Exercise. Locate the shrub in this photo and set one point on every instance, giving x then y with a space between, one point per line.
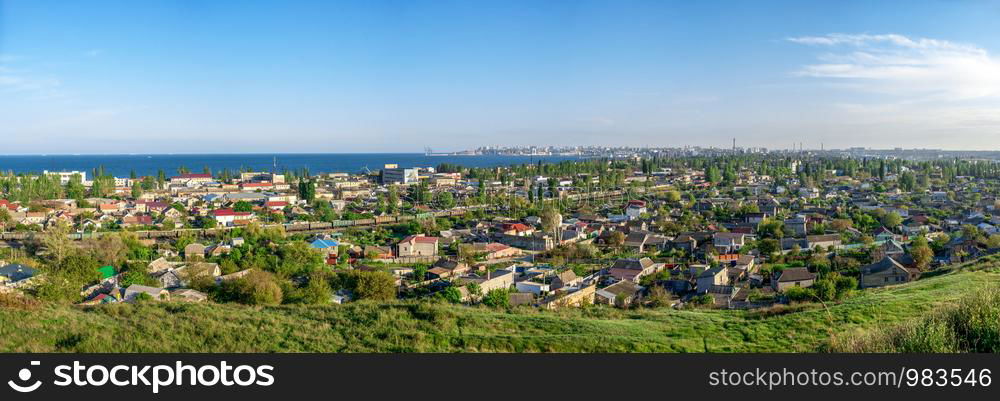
799 294
497 298
256 288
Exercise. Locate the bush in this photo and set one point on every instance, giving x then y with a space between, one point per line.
451 294
256 288
800 294
497 298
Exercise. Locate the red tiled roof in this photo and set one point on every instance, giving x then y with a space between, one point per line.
229 212
276 203
421 239
194 176
495 247
516 227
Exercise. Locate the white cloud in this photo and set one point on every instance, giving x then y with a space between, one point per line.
914 69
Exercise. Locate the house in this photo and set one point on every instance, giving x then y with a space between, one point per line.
797 226
134 291
131 221
637 240
886 272
15 273
499 279
229 217
191 178
188 295
635 209
327 246
564 279
532 287
883 234
377 252
417 245
194 250
729 242
276 206
823 241
621 294
521 298
579 297
712 277
633 269
161 264
792 277
450 267
518 229
495 250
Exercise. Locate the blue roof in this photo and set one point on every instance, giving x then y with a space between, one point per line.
324 243
17 272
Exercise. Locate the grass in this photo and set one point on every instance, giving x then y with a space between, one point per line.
435 327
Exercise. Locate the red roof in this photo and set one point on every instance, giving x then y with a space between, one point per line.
496 247
257 184
229 212
7 204
194 176
276 204
421 239
519 227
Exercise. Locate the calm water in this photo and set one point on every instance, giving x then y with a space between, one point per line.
122 165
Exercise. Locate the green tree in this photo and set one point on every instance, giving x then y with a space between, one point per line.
377 285
451 294
243 206
497 298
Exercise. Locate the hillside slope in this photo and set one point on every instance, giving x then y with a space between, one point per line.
435 327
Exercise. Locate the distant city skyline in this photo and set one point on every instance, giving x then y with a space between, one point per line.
157 77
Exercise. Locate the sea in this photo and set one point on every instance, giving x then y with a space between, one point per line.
122 165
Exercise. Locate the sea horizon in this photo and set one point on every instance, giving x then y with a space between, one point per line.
148 164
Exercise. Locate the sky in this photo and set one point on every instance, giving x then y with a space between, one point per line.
398 76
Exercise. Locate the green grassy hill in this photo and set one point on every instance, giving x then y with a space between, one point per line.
435 327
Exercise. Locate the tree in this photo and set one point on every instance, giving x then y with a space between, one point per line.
771 228
825 290
255 288
891 220
971 232
307 190
109 249
921 253
378 286
451 294
616 239
993 241
551 219
298 258
57 243
317 291
841 225
5 219
242 206
445 200
768 246
136 190
497 298
467 253
419 273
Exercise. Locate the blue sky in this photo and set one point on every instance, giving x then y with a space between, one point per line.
385 76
